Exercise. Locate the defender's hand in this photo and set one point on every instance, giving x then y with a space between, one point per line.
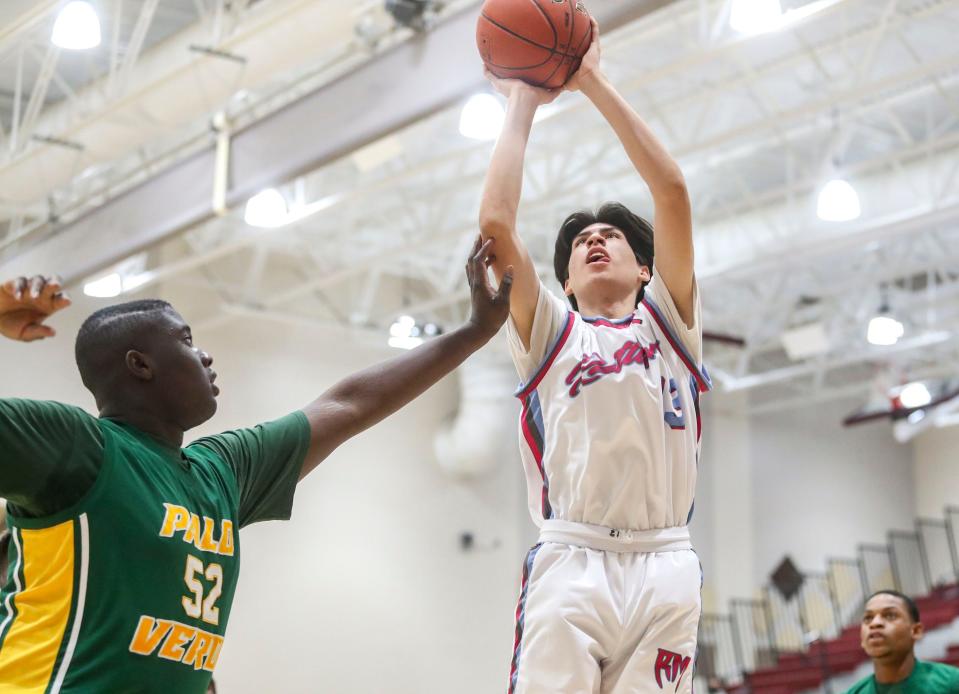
490 306
510 87
589 67
26 303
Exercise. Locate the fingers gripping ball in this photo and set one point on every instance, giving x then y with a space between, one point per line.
539 41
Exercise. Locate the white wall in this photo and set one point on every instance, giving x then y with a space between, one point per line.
936 471
819 489
366 590
724 501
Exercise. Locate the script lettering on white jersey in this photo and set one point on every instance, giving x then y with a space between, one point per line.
593 366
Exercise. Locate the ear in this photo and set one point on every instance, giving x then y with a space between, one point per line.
568 290
918 630
645 274
140 365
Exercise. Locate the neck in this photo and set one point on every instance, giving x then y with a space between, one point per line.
609 308
164 431
894 668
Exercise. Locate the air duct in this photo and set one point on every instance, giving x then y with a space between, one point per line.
482 431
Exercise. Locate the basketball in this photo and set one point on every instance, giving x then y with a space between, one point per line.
538 41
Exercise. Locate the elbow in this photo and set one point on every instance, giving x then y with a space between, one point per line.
673 187
495 224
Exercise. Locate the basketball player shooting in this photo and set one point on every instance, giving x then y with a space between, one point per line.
609 430
125 552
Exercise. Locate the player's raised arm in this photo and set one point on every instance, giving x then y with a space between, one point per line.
501 195
365 398
673 238
25 303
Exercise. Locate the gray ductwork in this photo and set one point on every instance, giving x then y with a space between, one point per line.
483 430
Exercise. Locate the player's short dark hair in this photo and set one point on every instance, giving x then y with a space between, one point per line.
911 606
638 232
110 329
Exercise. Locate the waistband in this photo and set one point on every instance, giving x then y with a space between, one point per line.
613 539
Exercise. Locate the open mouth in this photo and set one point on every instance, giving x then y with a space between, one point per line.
597 256
213 386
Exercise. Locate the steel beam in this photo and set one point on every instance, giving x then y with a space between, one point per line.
400 86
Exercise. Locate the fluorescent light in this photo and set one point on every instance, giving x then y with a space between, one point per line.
105 287
77 27
267 209
405 342
755 16
838 202
404 333
884 331
916 417
402 327
915 395
482 117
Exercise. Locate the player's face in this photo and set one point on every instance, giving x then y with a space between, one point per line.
602 265
887 629
184 373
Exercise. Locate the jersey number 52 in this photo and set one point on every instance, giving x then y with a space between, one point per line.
195 605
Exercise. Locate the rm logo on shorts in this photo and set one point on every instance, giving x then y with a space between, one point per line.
672 666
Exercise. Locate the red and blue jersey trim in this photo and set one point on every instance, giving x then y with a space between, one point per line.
551 354
534 433
531 417
620 324
521 618
699 373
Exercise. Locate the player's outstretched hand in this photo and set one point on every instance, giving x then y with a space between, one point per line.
589 66
507 87
25 303
490 306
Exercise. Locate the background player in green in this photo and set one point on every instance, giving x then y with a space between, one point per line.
889 632
124 553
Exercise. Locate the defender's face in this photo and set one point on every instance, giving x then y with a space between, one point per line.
887 629
602 263
184 372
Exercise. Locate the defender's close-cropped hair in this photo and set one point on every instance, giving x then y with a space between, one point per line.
638 232
109 330
911 606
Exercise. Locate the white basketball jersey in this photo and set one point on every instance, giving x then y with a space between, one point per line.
610 426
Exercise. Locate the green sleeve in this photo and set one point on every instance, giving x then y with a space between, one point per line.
50 454
266 461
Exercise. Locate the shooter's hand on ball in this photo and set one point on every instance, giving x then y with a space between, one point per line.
589 67
513 88
25 303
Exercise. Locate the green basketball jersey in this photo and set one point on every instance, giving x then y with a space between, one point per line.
129 589
926 678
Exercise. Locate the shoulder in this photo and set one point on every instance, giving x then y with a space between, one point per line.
941 670
43 408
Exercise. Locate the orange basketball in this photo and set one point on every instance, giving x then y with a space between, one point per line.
539 41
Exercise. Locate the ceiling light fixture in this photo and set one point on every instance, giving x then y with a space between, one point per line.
77 27
884 330
104 288
404 334
838 202
482 117
266 210
915 395
755 16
